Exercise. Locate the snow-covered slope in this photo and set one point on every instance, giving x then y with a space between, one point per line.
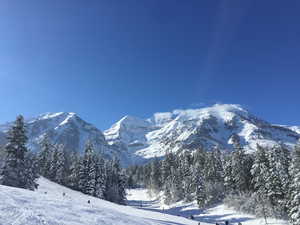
139 198
62 128
194 128
48 206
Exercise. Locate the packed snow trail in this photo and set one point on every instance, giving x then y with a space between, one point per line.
217 214
49 206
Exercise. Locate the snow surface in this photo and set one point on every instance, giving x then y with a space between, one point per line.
139 198
48 206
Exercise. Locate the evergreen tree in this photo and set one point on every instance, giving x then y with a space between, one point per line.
115 183
74 171
44 157
100 177
240 170
155 183
260 172
87 173
276 176
60 165
31 171
15 171
294 206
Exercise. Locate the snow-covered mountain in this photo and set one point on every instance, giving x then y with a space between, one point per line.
61 128
136 140
208 127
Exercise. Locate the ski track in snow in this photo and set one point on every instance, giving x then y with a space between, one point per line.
48 206
218 214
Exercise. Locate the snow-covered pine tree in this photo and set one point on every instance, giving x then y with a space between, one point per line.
240 170
198 184
294 206
260 172
155 182
14 172
276 176
100 177
73 176
185 172
87 173
44 157
60 165
228 178
31 171
115 183
175 179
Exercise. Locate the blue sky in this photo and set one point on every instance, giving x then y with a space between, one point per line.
105 59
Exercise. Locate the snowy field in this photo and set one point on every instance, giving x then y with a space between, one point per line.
48 206
217 214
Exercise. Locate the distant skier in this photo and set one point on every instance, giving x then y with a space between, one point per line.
89 202
226 222
64 194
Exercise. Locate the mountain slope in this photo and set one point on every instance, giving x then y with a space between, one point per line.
48 206
62 128
219 125
136 140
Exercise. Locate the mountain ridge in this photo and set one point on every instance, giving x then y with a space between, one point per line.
136 140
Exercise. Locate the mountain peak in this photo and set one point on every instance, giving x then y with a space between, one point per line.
50 115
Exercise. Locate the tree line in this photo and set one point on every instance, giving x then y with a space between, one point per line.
89 173
266 183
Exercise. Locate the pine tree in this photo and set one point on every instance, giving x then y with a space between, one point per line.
260 172
276 176
31 171
155 184
44 157
115 184
74 171
60 165
87 173
15 171
294 206
185 174
240 170
228 177
100 177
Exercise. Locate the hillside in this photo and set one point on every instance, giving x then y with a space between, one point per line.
48 206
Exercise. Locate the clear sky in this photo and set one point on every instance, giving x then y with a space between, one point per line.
104 59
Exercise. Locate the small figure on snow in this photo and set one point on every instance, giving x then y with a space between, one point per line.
89 202
64 194
192 217
226 222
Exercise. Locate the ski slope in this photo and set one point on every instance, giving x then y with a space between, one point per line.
217 214
48 206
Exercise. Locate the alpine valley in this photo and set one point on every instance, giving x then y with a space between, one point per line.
135 141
